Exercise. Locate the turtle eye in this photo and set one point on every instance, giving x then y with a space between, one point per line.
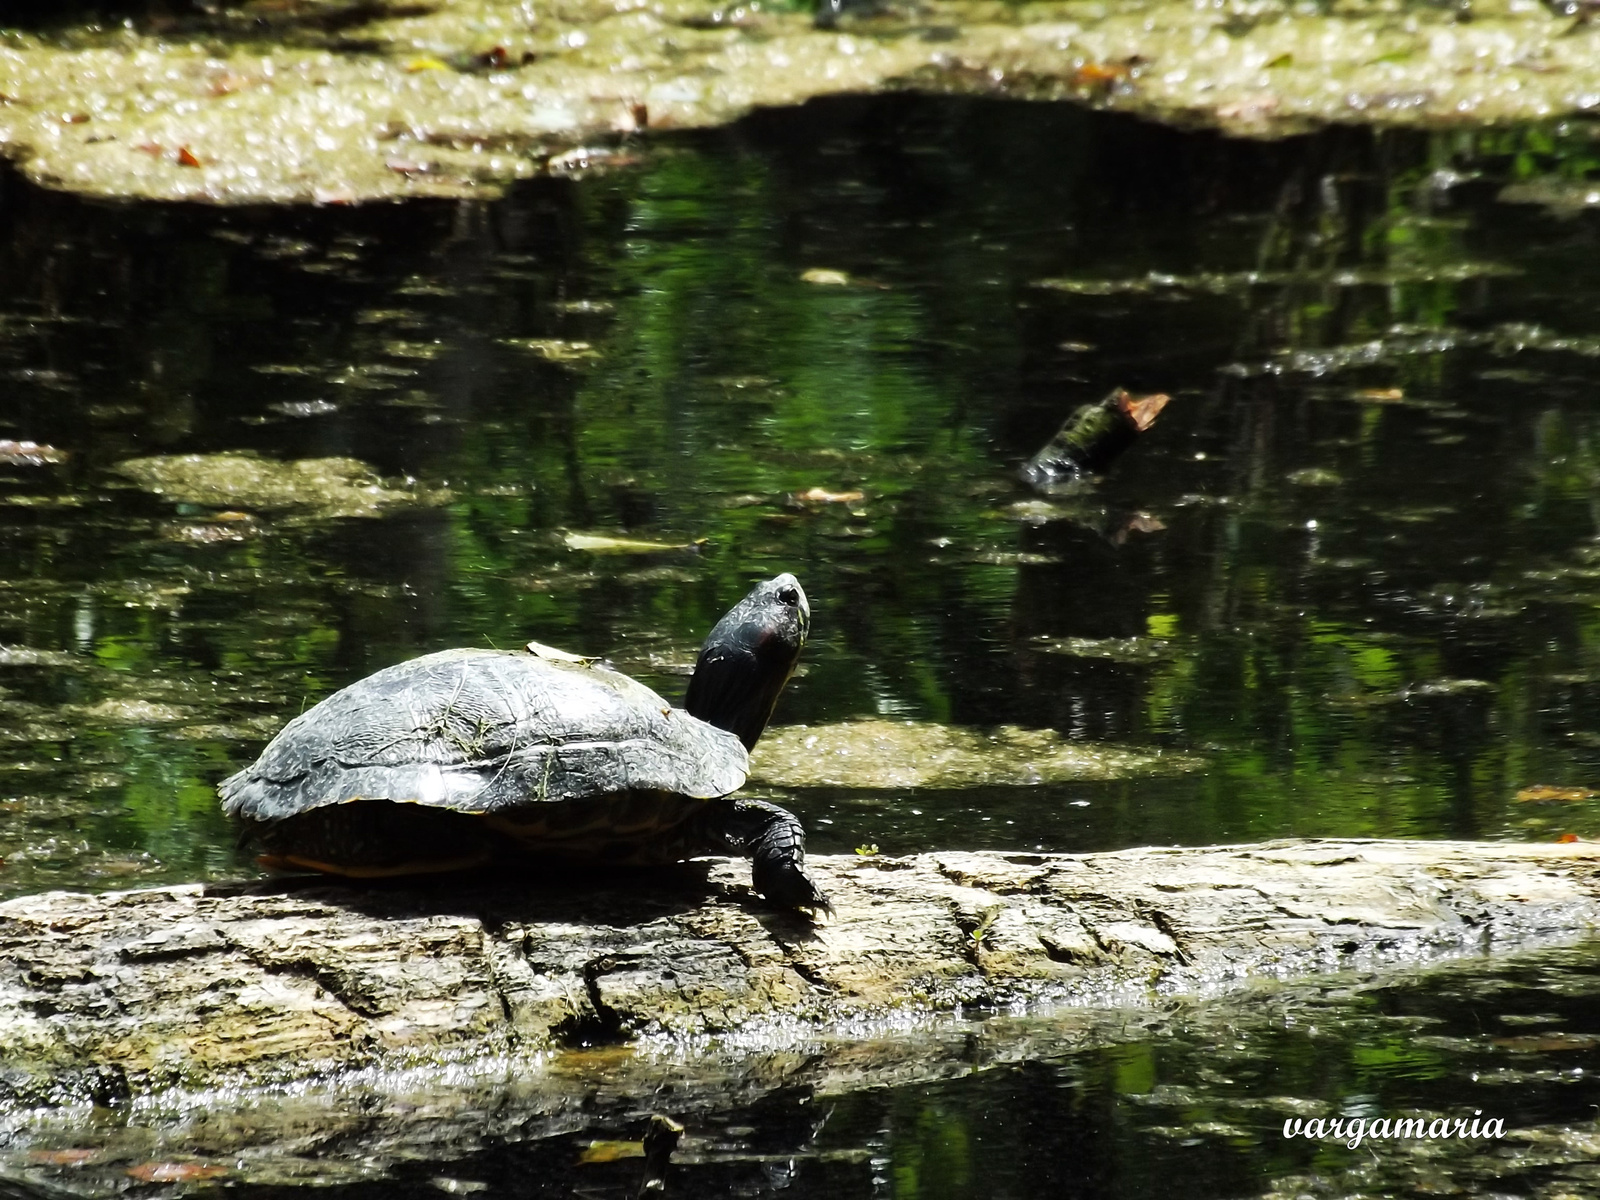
789 595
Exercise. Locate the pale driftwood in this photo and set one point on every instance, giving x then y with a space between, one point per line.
198 986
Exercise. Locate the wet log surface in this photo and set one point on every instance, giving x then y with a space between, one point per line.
105 996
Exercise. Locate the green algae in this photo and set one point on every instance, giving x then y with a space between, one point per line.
878 754
1129 650
460 98
329 487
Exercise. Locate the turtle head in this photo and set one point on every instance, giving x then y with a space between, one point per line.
748 658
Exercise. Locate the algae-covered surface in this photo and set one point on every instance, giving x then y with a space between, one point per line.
328 487
878 754
338 103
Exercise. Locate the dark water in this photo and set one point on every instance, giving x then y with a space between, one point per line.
1362 544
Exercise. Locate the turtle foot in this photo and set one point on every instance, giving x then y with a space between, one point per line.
776 843
788 884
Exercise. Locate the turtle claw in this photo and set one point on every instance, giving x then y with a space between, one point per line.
788 884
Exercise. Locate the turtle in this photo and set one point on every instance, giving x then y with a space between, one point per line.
450 760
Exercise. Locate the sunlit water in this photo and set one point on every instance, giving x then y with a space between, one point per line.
1358 556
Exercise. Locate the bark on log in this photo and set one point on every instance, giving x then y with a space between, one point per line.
200 986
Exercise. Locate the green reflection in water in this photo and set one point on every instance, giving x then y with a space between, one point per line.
1363 531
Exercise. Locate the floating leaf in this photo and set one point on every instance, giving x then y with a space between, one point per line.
1100 75
175 1172
61 1158
1142 410
818 495
607 1152
553 349
600 543
28 454
1540 793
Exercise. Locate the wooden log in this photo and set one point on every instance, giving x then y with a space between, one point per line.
119 994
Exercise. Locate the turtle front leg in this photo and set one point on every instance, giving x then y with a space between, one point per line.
775 842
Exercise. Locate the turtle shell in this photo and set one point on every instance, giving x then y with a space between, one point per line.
485 731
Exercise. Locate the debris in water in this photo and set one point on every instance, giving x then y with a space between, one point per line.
458 1187
553 349
1123 650
1315 477
660 1140
28 454
1093 437
610 1151
304 408
1541 793
63 1158
175 1172
603 543
818 495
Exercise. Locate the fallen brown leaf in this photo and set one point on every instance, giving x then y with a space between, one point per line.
1541 792
1100 75
28 454
174 1172
1142 410
818 495
605 1152
62 1158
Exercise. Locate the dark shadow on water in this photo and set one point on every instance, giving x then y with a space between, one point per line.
275 22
